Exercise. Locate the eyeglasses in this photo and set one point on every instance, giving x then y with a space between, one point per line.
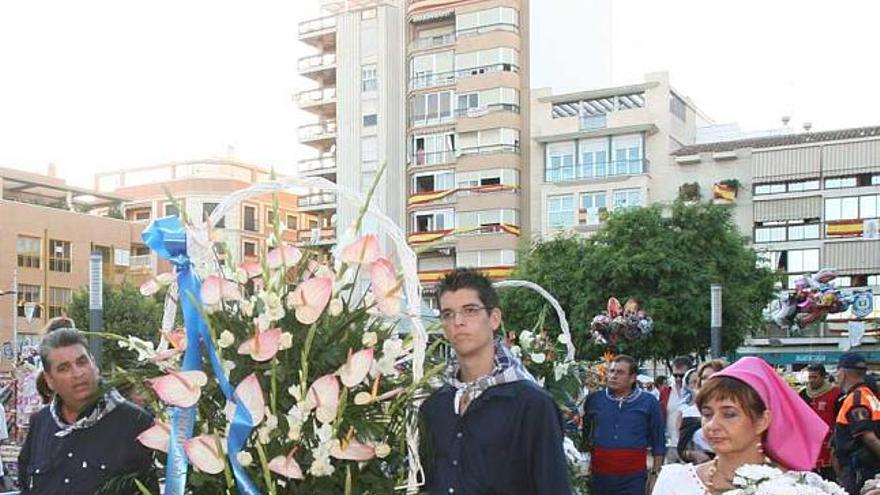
678 375
468 312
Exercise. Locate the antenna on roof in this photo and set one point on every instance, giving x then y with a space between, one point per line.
785 120
808 126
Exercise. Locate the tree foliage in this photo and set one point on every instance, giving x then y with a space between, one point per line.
667 260
126 312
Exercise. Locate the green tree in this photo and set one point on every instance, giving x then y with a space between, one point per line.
666 260
126 312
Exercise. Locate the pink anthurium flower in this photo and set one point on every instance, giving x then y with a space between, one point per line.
364 250
283 256
323 396
310 298
205 454
179 388
177 338
216 289
356 367
286 466
352 450
251 268
251 395
156 437
153 285
386 288
263 345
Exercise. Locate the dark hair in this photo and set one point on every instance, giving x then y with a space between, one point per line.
623 358
62 337
43 388
59 322
660 380
818 368
469 278
715 364
725 387
683 362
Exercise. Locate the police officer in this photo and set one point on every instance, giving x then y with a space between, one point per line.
857 446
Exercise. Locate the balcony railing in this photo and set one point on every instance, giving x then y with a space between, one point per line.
316 236
140 262
486 109
596 170
321 130
315 25
500 26
486 69
490 148
591 122
317 165
316 97
433 41
421 157
317 200
431 80
316 62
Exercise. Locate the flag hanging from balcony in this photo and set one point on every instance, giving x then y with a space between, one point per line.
845 228
724 192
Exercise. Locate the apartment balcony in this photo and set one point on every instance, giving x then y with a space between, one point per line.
602 170
486 110
141 263
317 202
314 167
424 81
320 67
489 149
316 237
318 32
322 134
423 158
486 69
433 198
433 42
430 277
321 101
432 240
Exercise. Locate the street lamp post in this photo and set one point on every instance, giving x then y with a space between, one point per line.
715 291
14 293
96 304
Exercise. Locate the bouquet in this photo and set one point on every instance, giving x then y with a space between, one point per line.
768 480
309 379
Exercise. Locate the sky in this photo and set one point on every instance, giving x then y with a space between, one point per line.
100 85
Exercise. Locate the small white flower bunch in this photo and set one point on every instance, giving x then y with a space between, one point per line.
756 479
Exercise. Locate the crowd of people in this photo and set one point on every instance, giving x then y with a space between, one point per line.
492 428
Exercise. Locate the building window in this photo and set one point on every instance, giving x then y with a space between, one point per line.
369 38
497 18
207 209
591 204
142 215
270 218
59 256
292 222
171 210
29 294
369 153
369 78
250 248
852 207
873 280
59 299
429 221
678 107
29 252
433 149
627 198
432 69
370 120
840 182
249 222
485 61
432 108
627 155
486 258
560 211
435 181
875 180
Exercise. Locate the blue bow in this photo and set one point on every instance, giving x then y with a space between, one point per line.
167 237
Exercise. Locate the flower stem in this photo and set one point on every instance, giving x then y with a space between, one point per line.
267 476
273 392
304 372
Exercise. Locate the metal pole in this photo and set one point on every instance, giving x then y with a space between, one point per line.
715 291
15 314
96 304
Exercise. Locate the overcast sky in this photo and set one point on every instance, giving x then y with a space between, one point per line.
97 85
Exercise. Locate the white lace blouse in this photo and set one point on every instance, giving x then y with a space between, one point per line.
679 479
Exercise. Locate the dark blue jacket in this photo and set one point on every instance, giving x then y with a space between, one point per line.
78 463
509 441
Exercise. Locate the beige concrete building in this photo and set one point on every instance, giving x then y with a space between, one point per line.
600 150
808 200
358 107
48 229
467 134
197 187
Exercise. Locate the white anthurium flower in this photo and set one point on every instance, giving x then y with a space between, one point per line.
393 348
363 398
263 321
247 308
286 341
563 339
516 351
324 433
538 357
321 467
226 339
144 348
386 366
228 366
335 307
560 370
369 339
295 392
275 314
526 338
244 458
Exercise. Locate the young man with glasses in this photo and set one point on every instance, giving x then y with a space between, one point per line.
490 428
670 400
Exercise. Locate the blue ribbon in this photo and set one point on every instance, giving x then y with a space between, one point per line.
167 237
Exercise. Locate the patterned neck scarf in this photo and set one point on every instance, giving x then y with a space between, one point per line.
508 369
102 407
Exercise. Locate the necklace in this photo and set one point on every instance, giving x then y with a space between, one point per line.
712 471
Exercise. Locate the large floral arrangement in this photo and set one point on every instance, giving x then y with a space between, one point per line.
768 480
308 384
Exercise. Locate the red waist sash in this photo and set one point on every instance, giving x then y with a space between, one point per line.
618 461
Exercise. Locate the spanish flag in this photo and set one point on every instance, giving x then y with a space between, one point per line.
426 237
420 198
724 192
497 272
845 228
510 229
